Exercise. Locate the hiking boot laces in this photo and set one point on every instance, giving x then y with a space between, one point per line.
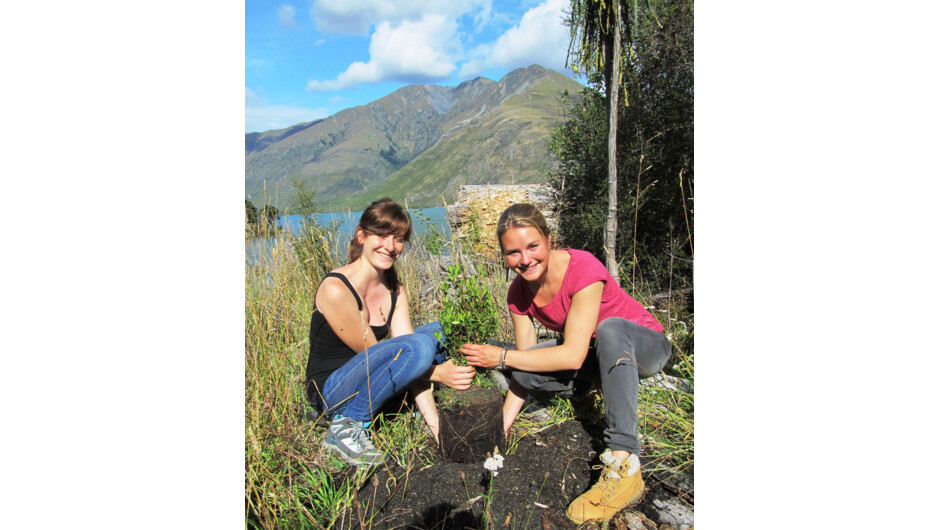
606 481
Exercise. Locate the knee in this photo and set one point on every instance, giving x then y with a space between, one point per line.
614 341
412 358
430 329
424 348
611 327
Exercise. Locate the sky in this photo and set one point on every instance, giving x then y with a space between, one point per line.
309 60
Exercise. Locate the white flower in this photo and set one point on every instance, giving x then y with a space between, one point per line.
493 463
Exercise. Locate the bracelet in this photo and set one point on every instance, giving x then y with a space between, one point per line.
502 359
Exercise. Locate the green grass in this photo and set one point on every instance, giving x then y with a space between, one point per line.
291 481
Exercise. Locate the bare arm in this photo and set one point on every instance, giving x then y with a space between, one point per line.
579 327
424 398
526 336
338 306
401 319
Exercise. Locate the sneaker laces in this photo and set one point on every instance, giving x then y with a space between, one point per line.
353 429
362 438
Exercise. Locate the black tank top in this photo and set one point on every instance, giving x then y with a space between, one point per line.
327 351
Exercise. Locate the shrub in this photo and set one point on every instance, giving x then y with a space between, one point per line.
469 314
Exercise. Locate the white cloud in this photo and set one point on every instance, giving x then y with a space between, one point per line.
419 41
261 117
285 16
539 38
483 17
414 52
471 69
356 17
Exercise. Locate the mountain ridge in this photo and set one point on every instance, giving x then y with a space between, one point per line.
416 144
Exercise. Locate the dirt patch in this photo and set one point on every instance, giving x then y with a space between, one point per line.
532 490
473 426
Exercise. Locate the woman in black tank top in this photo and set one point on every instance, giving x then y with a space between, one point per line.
363 349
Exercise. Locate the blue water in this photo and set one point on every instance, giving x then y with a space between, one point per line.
345 224
347 221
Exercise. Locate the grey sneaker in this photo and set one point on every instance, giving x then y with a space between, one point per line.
350 439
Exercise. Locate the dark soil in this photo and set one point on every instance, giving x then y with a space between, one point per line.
532 490
472 427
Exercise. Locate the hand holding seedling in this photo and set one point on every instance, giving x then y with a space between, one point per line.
482 355
456 377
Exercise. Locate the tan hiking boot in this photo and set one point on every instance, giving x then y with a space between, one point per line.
615 490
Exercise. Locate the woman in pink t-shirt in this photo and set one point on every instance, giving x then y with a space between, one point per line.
607 336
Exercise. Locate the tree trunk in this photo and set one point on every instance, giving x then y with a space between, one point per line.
612 68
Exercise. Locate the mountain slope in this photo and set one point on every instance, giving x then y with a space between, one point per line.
416 144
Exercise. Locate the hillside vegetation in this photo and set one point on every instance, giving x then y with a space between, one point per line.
425 139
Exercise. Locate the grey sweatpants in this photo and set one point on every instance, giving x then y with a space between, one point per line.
621 353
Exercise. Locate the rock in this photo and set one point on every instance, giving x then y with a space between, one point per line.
487 202
666 508
502 383
668 382
680 484
634 521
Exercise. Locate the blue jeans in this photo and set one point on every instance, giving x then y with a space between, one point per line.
362 385
621 353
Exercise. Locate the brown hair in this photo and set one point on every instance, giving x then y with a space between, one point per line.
381 218
520 215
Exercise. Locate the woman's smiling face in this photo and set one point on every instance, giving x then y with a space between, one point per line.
526 251
381 251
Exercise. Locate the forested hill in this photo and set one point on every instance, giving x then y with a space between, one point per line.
416 144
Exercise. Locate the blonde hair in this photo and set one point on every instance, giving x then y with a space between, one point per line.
521 215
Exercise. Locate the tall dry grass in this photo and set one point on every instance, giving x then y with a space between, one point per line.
290 481
282 450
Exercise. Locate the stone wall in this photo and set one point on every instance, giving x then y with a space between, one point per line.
488 201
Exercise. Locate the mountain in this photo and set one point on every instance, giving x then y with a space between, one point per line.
416 144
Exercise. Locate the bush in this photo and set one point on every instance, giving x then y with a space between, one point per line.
469 314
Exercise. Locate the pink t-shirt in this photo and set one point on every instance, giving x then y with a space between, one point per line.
583 270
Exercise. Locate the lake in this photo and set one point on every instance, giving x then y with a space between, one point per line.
422 219
347 221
